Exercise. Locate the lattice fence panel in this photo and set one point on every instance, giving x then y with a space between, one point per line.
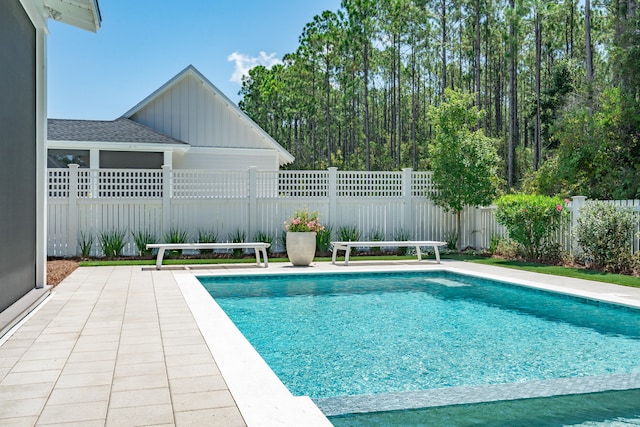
120 183
58 183
303 184
369 184
203 184
421 184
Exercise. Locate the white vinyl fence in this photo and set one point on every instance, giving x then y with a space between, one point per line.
93 201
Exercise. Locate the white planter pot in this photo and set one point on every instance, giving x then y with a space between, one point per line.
301 247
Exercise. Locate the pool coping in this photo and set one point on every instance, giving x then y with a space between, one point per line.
271 403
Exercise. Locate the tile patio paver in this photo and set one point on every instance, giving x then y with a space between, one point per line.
112 346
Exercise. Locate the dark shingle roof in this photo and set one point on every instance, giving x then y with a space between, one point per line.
119 130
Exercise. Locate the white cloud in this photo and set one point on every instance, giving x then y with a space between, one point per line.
245 62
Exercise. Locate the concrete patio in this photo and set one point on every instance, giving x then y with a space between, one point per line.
127 346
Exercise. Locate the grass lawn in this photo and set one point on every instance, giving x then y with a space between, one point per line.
251 260
578 273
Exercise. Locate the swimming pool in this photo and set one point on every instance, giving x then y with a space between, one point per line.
411 338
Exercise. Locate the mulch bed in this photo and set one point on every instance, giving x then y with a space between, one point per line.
58 269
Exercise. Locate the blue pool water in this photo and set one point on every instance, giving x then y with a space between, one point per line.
330 336
608 409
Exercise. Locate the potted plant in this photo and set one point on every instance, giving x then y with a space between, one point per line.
301 236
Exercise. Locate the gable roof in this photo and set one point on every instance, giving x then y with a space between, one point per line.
190 71
119 130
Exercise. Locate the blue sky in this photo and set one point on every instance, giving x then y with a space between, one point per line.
143 43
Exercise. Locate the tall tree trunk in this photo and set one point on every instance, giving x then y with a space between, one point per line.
537 136
497 100
414 113
589 54
488 75
572 25
513 95
399 105
477 57
365 67
444 45
313 122
328 108
392 106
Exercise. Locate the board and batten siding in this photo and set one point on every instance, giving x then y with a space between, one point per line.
191 112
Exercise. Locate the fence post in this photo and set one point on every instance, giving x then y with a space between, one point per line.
333 195
576 204
477 230
407 194
167 194
72 213
253 204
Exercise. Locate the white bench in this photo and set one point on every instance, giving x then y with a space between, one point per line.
346 246
256 246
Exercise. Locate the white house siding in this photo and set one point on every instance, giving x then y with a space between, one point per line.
226 159
191 112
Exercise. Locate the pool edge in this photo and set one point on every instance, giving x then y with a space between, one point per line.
270 403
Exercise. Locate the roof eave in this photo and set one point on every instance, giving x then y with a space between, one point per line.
83 14
117 146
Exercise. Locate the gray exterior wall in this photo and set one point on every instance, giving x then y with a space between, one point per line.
17 152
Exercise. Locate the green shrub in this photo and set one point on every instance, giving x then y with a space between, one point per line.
506 248
451 237
175 235
402 235
238 236
494 241
604 233
376 235
323 239
262 236
635 263
207 236
349 233
85 241
283 239
142 238
532 220
112 243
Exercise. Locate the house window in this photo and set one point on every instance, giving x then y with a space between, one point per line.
130 160
63 158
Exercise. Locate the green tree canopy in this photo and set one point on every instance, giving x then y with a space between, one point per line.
463 161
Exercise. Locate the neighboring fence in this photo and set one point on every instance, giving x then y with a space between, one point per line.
100 200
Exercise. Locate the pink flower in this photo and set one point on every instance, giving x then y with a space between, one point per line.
559 208
303 221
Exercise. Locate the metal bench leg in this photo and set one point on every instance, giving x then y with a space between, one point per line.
159 258
419 253
257 251
265 258
334 255
347 251
437 251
